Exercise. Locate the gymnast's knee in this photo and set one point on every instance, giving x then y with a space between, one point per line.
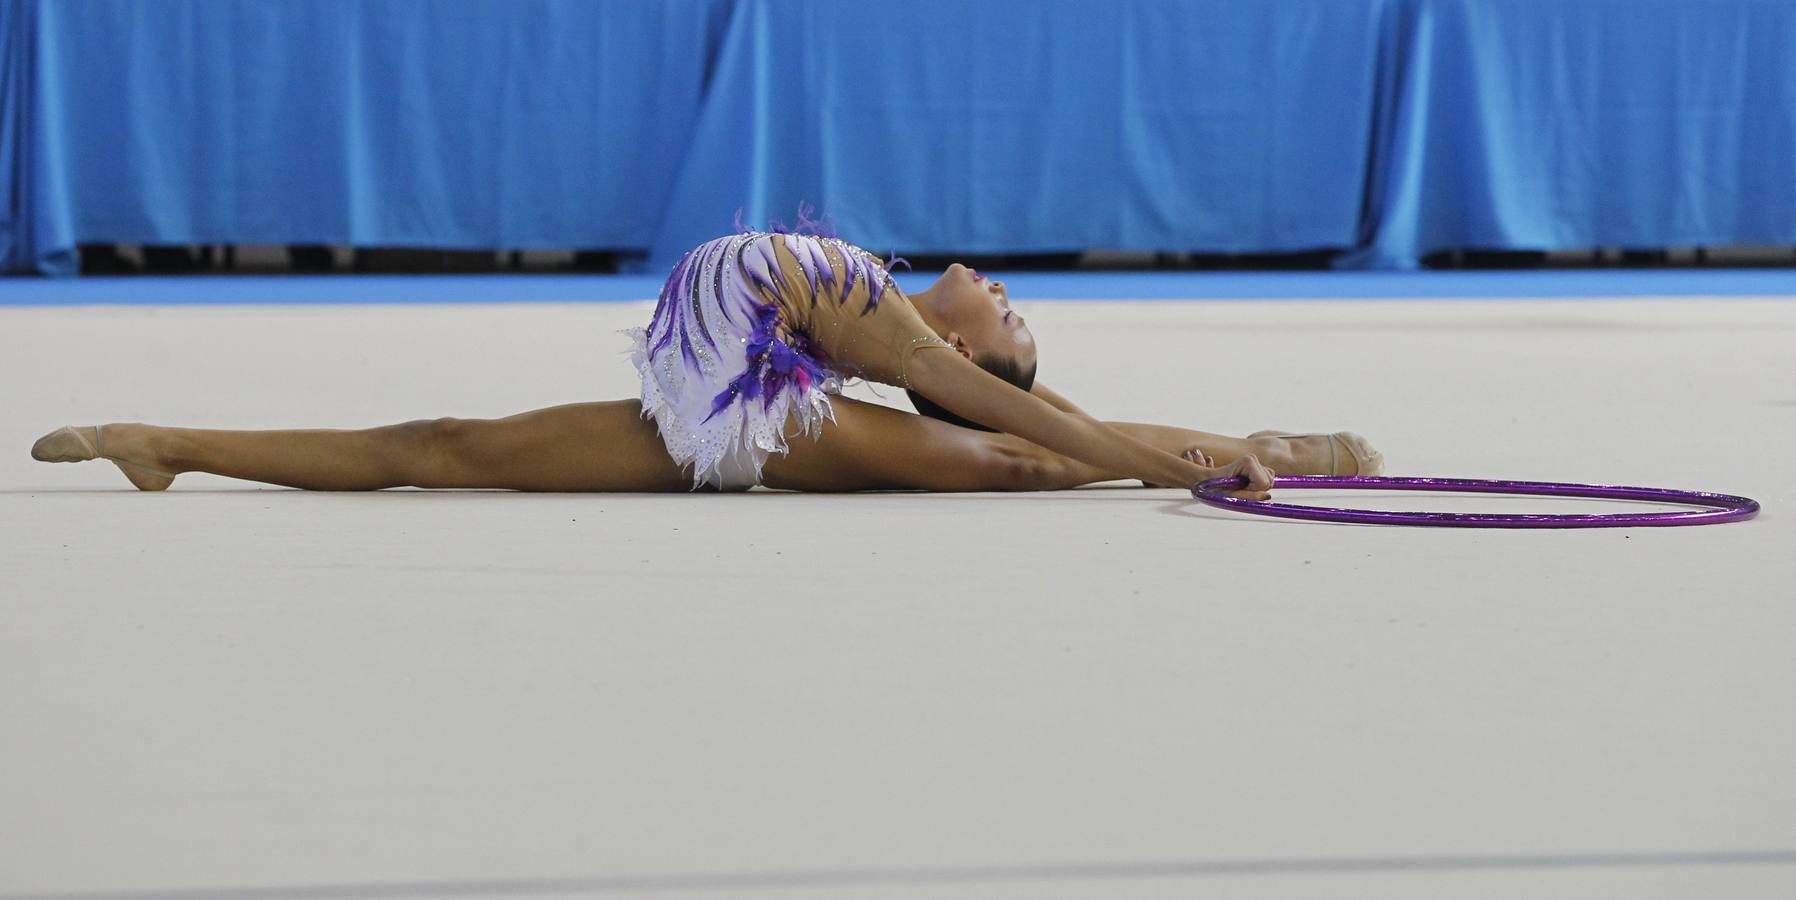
441 442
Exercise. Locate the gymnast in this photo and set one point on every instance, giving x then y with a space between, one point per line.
741 366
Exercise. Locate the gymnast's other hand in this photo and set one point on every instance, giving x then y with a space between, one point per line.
1259 477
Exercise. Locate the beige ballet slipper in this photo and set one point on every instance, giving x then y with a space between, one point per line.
68 444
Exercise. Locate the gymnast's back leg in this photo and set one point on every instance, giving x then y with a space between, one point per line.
576 447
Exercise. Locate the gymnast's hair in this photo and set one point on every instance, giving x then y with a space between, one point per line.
1001 366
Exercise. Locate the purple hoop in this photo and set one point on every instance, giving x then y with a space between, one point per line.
1723 507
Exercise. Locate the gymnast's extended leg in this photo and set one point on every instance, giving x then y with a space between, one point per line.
604 447
576 447
873 447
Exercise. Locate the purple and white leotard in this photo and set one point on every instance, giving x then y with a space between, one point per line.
729 355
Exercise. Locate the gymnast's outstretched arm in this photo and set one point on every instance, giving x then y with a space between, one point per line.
1283 455
954 382
1056 400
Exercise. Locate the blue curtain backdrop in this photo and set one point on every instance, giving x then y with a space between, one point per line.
1541 124
1040 126
1384 128
451 124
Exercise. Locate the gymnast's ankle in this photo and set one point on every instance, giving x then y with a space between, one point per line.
145 446
1294 454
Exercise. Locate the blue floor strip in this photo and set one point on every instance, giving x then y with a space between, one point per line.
151 290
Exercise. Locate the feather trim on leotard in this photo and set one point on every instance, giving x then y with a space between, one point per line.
720 374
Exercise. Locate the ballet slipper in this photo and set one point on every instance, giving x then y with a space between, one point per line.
68 444
1366 459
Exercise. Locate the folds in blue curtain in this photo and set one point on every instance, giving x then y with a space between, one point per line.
1388 129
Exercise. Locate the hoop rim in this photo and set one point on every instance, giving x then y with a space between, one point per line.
1721 508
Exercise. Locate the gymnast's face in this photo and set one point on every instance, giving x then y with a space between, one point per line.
975 313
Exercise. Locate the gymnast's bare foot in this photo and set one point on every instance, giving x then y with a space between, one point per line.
126 445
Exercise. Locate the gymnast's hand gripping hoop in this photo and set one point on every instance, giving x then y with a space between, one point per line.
1720 507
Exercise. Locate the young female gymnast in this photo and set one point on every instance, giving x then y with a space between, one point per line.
746 352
